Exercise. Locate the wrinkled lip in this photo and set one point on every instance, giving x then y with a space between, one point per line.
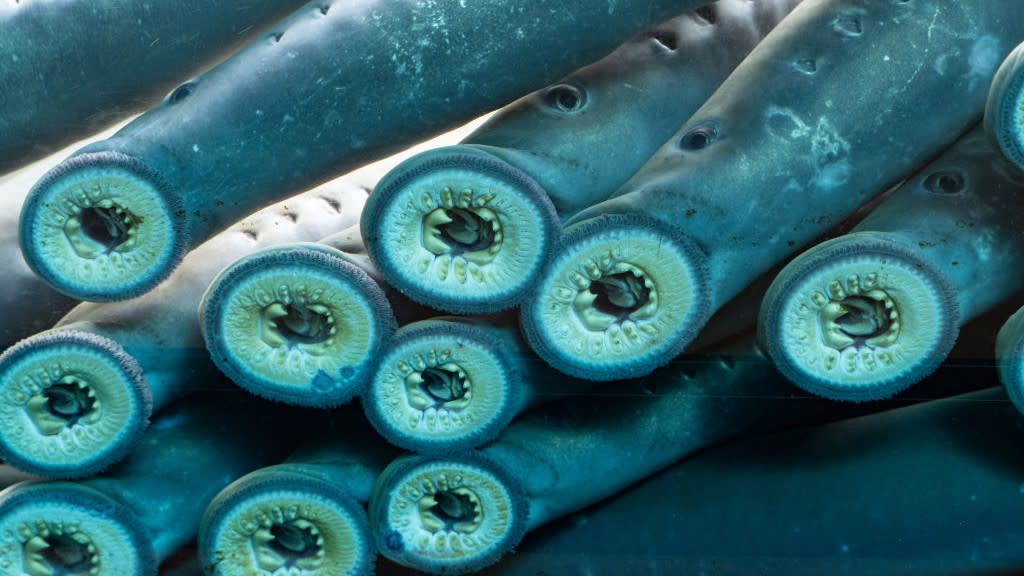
613 206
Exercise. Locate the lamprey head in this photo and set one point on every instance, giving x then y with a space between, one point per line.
102 226
297 324
442 386
858 318
71 403
275 522
459 229
624 295
61 528
452 515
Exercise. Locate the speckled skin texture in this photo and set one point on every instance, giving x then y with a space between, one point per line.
927 489
635 99
971 231
849 96
338 84
562 453
956 221
73 66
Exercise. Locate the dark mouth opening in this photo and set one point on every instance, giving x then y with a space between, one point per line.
443 385
293 542
105 226
620 294
865 318
304 326
467 232
453 508
66 557
69 402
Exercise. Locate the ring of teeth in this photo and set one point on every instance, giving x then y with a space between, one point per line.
285 324
478 390
120 225
50 420
275 555
288 532
420 397
854 319
56 547
655 276
451 255
465 516
875 315
449 510
33 387
594 275
315 332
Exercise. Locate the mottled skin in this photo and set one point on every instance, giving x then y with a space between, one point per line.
573 453
338 84
72 67
850 97
957 220
961 214
630 102
566 147
928 489
161 493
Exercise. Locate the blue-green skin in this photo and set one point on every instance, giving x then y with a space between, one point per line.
185 458
338 84
630 102
965 237
532 382
1002 110
634 100
72 67
570 454
160 331
928 489
1009 354
342 466
764 183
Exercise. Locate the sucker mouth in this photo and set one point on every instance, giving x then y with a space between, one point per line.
100 228
866 319
451 510
63 405
613 294
293 324
463 227
289 547
440 386
53 549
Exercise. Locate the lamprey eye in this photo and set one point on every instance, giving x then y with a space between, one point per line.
181 92
699 137
944 182
566 98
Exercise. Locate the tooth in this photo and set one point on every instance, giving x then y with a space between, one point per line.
447 199
836 290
